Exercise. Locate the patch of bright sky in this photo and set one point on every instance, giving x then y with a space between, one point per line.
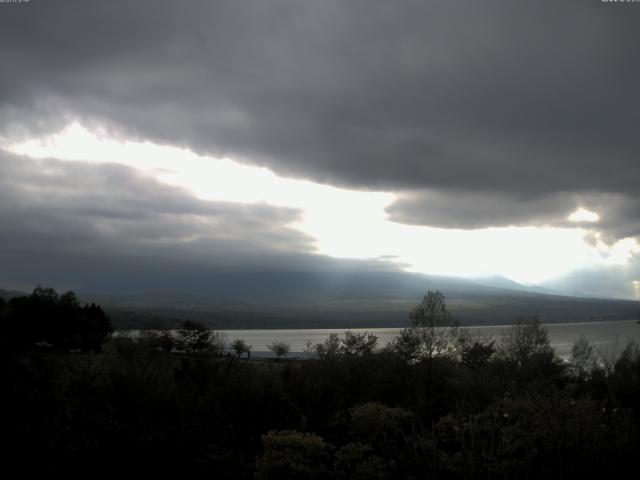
348 223
584 215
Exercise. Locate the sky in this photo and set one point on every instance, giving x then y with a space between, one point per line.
473 139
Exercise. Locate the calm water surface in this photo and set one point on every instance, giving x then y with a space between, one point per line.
609 338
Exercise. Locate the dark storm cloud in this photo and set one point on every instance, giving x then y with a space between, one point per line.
477 209
619 213
116 205
79 224
529 103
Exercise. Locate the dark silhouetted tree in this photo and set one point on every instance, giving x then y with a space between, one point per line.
194 337
280 349
330 348
45 318
359 344
433 326
240 347
583 358
406 345
525 339
474 350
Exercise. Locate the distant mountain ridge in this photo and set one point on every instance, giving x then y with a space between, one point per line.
276 287
352 299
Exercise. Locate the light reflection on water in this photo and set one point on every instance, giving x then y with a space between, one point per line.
609 338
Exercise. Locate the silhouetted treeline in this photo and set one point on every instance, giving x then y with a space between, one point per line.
46 319
436 403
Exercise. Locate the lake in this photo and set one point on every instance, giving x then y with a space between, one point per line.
609 338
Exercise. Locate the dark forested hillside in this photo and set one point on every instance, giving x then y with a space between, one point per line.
473 307
437 403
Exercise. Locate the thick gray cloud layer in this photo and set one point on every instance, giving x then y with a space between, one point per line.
479 209
78 224
619 212
529 103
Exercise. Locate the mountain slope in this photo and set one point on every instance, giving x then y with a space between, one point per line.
343 300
